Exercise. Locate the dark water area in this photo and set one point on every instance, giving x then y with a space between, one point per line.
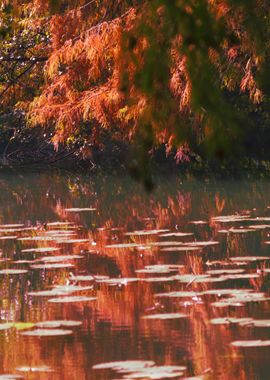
100 280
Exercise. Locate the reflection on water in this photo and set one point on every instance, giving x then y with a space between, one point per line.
174 284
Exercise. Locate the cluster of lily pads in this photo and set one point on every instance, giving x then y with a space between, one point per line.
142 242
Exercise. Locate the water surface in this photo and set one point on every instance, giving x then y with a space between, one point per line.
172 284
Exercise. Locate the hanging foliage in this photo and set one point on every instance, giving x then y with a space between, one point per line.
151 72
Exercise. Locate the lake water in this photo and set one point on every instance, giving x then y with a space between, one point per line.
100 280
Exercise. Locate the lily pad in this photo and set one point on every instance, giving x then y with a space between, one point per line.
165 243
118 281
36 238
159 268
146 232
224 271
230 321
71 241
203 243
72 299
165 316
47 332
127 365
249 258
9 237
80 209
183 248
42 368
86 278
23 325
177 234
52 266
55 259
56 324
5 326
157 372
59 290
14 225
261 322
157 279
59 224
123 245
251 343
188 278
13 271
40 250
177 294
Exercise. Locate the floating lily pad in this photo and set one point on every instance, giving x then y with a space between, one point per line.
198 222
159 268
226 263
165 316
202 243
261 322
142 369
36 238
72 299
80 209
146 232
52 266
14 225
259 226
221 292
59 290
23 325
230 321
5 326
42 368
157 372
187 278
165 243
177 234
261 219
183 248
236 231
40 250
61 224
9 237
13 271
241 276
118 281
86 278
71 241
177 294
61 232
127 365
230 218
241 299
55 259
16 325
123 245
56 324
251 343
157 279
249 258
224 271
47 332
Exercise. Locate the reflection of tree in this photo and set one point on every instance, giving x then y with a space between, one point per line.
115 318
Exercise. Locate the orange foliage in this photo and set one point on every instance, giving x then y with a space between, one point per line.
102 72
